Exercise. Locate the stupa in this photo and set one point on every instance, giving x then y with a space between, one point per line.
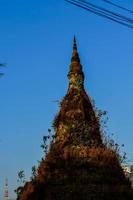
78 165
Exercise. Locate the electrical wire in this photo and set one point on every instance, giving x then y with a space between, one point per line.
118 6
103 12
113 14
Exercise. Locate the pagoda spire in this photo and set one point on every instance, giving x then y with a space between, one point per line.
75 45
77 117
75 55
75 75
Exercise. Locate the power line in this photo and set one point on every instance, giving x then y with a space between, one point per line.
113 14
118 6
128 22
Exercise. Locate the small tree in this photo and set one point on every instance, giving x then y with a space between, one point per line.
34 173
21 181
47 141
1 73
21 177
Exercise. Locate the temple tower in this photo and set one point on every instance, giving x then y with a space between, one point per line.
78 166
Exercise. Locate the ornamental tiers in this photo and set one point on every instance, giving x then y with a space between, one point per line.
78 165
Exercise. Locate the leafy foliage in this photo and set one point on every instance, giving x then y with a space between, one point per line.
34 172
21 176
1 73
47 141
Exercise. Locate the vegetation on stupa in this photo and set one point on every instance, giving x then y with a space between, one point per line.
79 164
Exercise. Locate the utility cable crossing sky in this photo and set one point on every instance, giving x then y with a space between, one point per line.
118 6
106 13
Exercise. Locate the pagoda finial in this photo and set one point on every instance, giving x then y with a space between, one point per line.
75 55
74 43
75 75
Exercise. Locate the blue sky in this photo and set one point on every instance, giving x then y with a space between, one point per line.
36 43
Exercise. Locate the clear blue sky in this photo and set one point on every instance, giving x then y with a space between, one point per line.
36 43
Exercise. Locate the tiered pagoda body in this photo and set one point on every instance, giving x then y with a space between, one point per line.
78 166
